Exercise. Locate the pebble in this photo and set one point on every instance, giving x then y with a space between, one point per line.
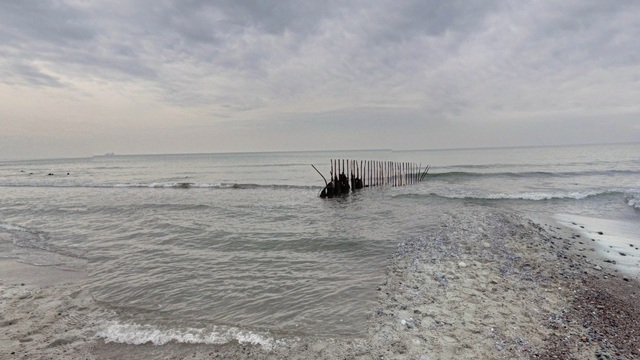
409 325
597 268
462 264
441 278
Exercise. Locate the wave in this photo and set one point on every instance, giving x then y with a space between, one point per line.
12 228
537 196
633 200
32 239
135 334
579 164
533 196
528 174
235 186
285 165
172 185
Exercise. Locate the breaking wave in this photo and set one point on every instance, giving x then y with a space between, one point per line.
135 334
537 196
533 196
170 185
526 174
12 228
633 200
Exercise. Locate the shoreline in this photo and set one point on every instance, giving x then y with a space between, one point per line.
613 242
486 284
13 272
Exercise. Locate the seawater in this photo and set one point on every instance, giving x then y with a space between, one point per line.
207 248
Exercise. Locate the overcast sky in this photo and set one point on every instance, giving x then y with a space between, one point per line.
79 78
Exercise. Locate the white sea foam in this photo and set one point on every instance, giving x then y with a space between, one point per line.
536 196
544 196
136 334
633 199
12 227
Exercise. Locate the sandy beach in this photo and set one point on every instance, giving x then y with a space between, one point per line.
494 286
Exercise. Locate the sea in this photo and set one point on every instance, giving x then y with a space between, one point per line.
211 248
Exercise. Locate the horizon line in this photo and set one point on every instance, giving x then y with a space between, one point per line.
113 154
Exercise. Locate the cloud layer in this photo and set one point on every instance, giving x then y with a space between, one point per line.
80 77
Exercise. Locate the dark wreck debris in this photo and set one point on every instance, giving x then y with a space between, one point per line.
351 175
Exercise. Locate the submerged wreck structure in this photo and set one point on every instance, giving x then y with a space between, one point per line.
351 175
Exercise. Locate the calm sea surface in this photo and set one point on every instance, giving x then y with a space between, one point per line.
208 247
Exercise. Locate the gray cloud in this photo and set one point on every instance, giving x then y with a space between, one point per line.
29 74
37 22
394 66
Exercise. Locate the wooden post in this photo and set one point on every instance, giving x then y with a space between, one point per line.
331 171
347 173
351 175
387 169
394 169
386 173
366 172
413 171
354 173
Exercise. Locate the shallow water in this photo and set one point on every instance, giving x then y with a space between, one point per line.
617 241
225 245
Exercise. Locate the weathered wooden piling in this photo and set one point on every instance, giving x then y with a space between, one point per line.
350 175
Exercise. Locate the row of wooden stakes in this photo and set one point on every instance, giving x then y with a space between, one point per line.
367 173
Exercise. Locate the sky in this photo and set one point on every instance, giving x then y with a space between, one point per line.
81 78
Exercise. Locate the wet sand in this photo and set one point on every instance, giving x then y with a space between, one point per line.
13 272
485 285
